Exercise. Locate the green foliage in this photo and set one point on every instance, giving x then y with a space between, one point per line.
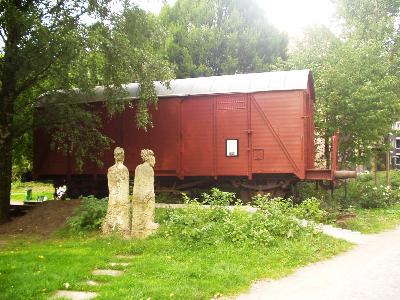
310 209
52 56
89 215
218 197
361 192
34 268
378 196
217 37
367 19
356 77
124 49
39 189
306 190
374 220
275 220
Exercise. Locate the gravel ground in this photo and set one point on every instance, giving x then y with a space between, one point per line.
371 271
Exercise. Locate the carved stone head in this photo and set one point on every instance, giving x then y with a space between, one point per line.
148 156
119 155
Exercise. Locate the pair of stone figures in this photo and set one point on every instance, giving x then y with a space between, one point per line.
134 219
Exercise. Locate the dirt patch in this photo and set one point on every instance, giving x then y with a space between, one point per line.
43 219
342 219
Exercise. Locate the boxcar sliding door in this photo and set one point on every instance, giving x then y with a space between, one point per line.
231 133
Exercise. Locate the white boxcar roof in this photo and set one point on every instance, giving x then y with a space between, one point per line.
226 84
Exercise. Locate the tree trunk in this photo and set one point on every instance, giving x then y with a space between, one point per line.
6 139
5 177
8 95
327 151
6 136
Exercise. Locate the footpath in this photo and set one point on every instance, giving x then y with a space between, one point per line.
370 271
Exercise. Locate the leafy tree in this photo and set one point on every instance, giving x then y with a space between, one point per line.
356 77
317 51
217 37
368 19
49 48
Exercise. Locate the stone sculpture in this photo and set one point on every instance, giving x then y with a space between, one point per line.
143 197
117 218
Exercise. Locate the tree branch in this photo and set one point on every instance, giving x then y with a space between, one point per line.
26 5
31 81
2 36
20 131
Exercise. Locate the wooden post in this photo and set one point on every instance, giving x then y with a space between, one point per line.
376 169
387 168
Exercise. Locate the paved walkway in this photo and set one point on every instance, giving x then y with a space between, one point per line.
371 271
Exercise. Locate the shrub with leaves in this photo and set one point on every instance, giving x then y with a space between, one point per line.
197 225
90 214
378 196
310 209
218 197
305 190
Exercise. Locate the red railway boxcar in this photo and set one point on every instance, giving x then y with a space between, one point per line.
255 131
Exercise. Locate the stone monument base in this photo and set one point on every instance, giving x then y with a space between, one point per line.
142 220
117 220
141 234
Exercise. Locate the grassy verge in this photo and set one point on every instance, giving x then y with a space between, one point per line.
163 269
374 220
18 190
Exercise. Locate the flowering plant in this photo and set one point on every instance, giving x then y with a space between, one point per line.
379 196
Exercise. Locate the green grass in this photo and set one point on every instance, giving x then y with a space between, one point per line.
33 268
394 177
18 190
374 220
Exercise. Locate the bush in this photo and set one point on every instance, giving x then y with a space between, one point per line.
90 214
305 190
361 192
218 197
310 209
196 225
378 196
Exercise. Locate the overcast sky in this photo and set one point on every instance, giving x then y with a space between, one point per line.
291 16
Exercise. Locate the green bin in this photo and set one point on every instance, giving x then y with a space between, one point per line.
28 196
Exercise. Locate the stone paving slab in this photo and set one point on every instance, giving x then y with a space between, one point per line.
117 264
122 256
108 272
92 282
74 295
